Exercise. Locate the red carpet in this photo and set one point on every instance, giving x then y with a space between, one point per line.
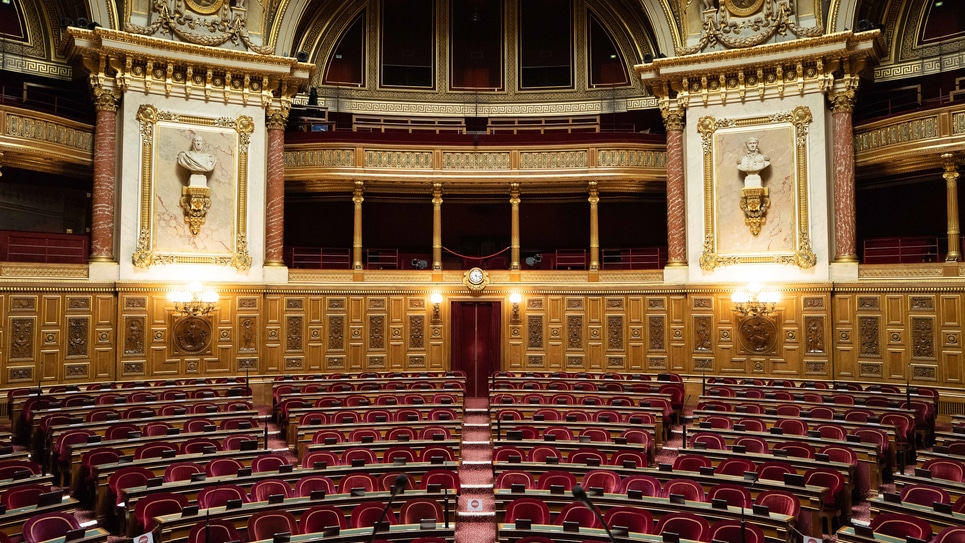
476 514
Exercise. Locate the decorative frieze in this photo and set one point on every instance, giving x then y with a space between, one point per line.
868 332
78 332
294 333
657 332
377 332
923 337
614 326
534 328
417 332
574 332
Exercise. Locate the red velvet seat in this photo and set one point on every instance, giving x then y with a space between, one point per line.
415 510
540 453
182 471
154 450
197 445
753 444
365 515
796 449
640 458
732 531
557 477
265 524
735 467
708 440
774 470
23 495
577 512
154 505
268 462
834 509
388 480
648 485
923 494
510 477
634 519
585 455
951 534
48 526
734 495
262 490
691 462
307 484
691 490
213 531
430 452
607 480
944 468
686 525
320 517
218 496
752 424
443 477
831 431
794 427
901 526
559 433
367 456
222 466
357 480
533 509
503 453
780 502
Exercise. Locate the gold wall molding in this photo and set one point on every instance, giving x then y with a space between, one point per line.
334 167
147 252
40 142
801 254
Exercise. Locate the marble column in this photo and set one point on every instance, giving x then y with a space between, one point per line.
514 228
950 162
594 199
845 236
275 189
436 227
357 199
105 176
673 119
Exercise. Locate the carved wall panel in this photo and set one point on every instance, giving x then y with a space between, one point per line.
534 329
614 328
417 332
134 336
703 333
657 332
377 331
248 338
78 334
22 338
868 332
336 333
814 341
923 337
574 331
294 335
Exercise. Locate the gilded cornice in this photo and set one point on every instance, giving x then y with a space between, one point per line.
147 64
799 66
908 143
37 141
620 167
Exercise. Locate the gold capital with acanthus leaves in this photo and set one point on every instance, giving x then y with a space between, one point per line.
673 119
843 100
105 99
276 118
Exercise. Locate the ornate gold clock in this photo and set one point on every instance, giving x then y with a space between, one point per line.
476 279
743 8
204 7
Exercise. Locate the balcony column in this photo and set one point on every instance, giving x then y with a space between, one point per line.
594 199
514 273
673 120
357 199
105 175
950 162
275 188
437 231
845 237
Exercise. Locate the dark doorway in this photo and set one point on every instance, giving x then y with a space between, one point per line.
475 343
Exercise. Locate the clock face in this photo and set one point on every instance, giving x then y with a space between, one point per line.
744 8
476 279
475 276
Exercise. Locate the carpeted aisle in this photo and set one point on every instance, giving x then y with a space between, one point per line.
476 513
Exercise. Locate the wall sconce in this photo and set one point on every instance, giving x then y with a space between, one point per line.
436 299
754 301
195 301
514 299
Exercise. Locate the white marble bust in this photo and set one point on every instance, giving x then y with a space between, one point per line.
198 162
752 163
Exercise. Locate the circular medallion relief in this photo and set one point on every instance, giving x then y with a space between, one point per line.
192 334
743 8
204 7
758 335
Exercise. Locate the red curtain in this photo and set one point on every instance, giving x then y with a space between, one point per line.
475 343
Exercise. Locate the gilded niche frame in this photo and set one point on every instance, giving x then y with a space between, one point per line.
158 130
713 132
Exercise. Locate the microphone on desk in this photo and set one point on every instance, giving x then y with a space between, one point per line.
400 482
581 495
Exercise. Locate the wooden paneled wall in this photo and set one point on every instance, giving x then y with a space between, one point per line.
875 333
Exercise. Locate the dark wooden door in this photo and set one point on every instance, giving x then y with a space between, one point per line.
475 343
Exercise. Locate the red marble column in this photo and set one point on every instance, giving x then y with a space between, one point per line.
676 206
845 237
275 190
105 173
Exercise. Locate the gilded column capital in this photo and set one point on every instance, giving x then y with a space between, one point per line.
673 119
594 191
950 163
105 98
514 193
437 193
357 192
276 118
843 100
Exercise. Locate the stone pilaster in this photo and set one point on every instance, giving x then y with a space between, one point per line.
105 175
845 233
673 119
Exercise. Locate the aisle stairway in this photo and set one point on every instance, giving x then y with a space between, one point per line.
476 514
